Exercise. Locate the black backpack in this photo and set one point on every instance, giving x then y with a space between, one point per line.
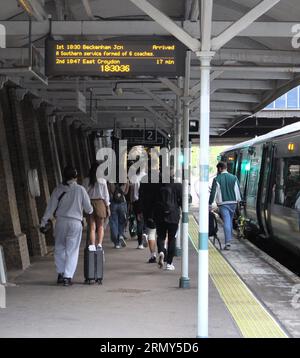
167 202
118 195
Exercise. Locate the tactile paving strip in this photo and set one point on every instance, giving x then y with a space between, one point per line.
252 318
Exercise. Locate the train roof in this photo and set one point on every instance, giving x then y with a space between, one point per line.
273 134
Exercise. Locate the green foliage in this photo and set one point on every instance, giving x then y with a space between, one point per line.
213 158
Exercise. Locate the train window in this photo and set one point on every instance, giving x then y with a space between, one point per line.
292 182
251 167
254 177
287 181
243 173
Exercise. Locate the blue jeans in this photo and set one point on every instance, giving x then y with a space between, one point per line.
117 221
227 211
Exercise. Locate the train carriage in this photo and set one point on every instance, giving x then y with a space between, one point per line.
268 168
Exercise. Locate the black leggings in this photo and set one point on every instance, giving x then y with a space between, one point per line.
162 230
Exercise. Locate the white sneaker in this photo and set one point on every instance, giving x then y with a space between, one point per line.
170 267
122 241
227 246
99 247
161 257
92 248
117 247
145 240
140 247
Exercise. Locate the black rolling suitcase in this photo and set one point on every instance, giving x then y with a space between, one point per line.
93 266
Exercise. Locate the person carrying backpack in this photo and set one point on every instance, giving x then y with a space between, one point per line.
67 203
226 192
167 215
118 208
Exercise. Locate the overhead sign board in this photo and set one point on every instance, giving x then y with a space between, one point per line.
147 137
115 58
194 126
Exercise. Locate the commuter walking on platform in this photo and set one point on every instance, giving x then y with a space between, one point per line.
67 203
137 206
147 195
226 192
118 208
167 216
98 193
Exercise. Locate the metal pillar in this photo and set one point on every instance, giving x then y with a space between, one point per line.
205 56
184 281
54 151
203 202
178 157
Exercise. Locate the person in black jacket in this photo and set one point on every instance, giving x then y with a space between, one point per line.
147 195
167 211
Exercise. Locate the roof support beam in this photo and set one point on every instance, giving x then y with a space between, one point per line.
88 10
242 23
120 28
253 75
257 68
268 99
35 9
242 9
168 24
236 84
195 11
195 90
206 24
230 106
187 10
171 85
235 97
259 56
159 116
159 101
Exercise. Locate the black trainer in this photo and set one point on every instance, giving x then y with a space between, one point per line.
152 260
60 278
67 281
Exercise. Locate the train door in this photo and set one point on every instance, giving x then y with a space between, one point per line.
284 217
243 170
242 167
253 168
264 192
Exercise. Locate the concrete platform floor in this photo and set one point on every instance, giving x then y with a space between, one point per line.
274 285
139 300
136 300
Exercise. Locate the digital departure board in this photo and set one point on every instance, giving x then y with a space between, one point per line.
115 58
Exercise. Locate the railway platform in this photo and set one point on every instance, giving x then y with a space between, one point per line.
250 295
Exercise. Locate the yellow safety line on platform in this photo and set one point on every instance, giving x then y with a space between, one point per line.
253 320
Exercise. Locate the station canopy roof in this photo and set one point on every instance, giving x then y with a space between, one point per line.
255 44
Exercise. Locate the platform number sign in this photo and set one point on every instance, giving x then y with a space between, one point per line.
150 135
